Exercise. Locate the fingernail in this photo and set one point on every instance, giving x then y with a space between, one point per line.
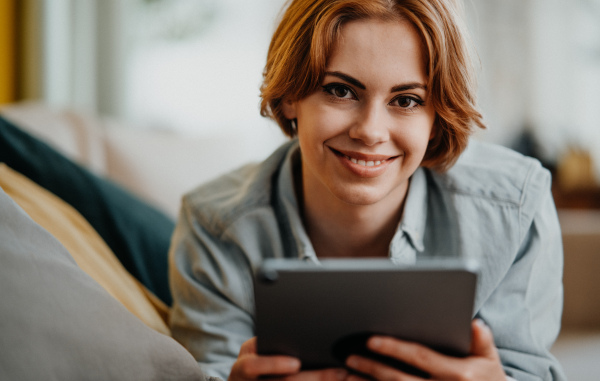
294 363
341 374
352 362
481 323
375 342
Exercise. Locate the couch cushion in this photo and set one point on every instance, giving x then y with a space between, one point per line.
78 136
137 233
57 323
85 246
161 166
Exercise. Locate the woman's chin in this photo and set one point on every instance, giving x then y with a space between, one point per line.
360 195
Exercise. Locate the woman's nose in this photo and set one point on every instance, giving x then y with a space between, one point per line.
371 125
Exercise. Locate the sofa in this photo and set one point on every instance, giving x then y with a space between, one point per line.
115 189
87 209
84 264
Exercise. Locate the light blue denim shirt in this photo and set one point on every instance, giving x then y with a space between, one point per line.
493 204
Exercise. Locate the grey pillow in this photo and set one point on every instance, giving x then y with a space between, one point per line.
57 323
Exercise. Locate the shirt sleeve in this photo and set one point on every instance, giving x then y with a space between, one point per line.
212 303
524 310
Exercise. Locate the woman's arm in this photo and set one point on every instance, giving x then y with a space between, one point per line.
212 296
211 315
525 309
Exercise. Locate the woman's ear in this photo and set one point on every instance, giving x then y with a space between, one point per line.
289 109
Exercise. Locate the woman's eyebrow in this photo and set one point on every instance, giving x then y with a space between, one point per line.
347 78
408 86
360 85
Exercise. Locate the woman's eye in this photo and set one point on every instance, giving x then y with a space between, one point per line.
407 102
339 91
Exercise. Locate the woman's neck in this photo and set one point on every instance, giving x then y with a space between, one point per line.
339 229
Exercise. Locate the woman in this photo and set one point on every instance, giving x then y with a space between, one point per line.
379 99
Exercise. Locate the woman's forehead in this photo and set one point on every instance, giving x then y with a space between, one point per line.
381 50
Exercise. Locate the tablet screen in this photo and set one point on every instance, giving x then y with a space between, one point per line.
322 313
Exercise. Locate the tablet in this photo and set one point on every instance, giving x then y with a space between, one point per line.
322 313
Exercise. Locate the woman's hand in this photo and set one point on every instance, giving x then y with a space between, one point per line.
251 366
482 364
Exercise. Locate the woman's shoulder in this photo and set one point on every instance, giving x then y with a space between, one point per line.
218 203
495 172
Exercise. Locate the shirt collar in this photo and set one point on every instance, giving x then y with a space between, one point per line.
414 217
291 207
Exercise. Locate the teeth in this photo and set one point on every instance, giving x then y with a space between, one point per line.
363 162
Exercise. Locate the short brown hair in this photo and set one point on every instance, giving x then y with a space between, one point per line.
309 29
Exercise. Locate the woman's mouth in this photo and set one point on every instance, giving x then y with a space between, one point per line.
366 160
369 163
364 165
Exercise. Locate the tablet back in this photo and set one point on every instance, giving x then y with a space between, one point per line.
321 313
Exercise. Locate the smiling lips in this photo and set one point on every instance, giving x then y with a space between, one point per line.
364 165
369 163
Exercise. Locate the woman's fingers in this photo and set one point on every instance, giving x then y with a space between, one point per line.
250 366
377 370
483 359
482 343
482 363
320 375
248 347
414 354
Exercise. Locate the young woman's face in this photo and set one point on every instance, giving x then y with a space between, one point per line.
365 132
